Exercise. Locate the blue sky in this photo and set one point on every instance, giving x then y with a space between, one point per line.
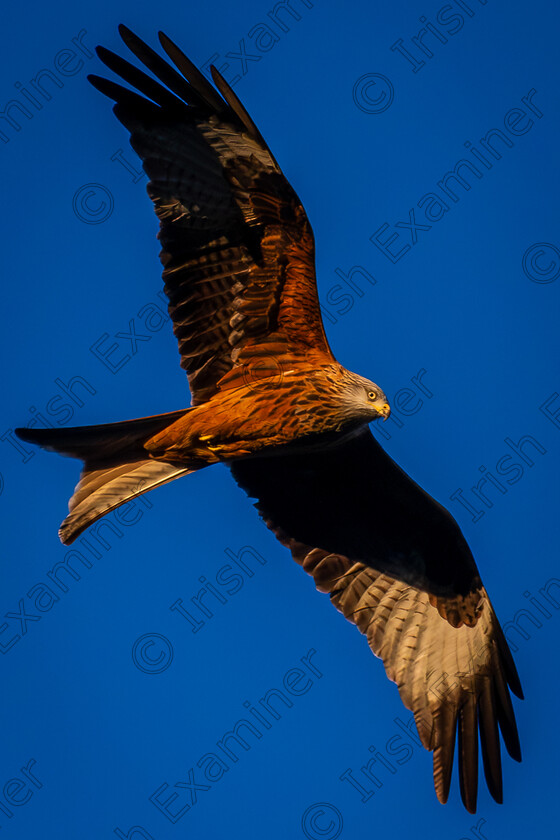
446 296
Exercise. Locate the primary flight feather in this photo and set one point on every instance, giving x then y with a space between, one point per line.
270 400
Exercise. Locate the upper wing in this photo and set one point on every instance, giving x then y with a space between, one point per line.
395 563
238 250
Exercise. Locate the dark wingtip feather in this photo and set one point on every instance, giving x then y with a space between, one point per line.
490 742
468 754
193 75
160 68
510 735
446 724
130 106
125 32
139 80
506 718
507 661
234 103
109 88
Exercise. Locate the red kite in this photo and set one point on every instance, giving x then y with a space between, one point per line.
270 400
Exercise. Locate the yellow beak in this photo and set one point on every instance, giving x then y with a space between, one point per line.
385 411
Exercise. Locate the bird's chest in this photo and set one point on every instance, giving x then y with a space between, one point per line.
269 414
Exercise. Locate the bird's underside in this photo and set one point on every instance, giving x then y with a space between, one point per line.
270 400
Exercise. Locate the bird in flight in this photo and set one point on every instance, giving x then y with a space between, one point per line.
270 400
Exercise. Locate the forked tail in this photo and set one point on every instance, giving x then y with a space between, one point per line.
116 469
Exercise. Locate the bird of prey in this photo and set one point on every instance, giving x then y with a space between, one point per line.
270 400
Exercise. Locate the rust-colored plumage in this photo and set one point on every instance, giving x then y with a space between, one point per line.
270 400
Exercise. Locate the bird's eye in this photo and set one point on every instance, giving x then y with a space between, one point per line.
372 395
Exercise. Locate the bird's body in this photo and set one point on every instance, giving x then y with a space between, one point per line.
270 400
248 417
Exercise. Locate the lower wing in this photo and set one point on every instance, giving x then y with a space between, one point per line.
395 563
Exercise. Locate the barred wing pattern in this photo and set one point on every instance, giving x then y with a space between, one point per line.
454 680
238 250
347 514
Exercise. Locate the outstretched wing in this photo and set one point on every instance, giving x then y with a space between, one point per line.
238 250
395 563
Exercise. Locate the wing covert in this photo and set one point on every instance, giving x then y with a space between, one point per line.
350 498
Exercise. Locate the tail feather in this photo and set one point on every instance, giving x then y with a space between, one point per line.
101 491
102 441
116 465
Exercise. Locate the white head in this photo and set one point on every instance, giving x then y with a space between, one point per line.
363 399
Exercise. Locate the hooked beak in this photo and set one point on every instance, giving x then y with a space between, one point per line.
385 411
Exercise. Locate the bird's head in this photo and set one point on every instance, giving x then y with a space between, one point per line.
363 400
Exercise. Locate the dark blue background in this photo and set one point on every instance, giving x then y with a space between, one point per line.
104 734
